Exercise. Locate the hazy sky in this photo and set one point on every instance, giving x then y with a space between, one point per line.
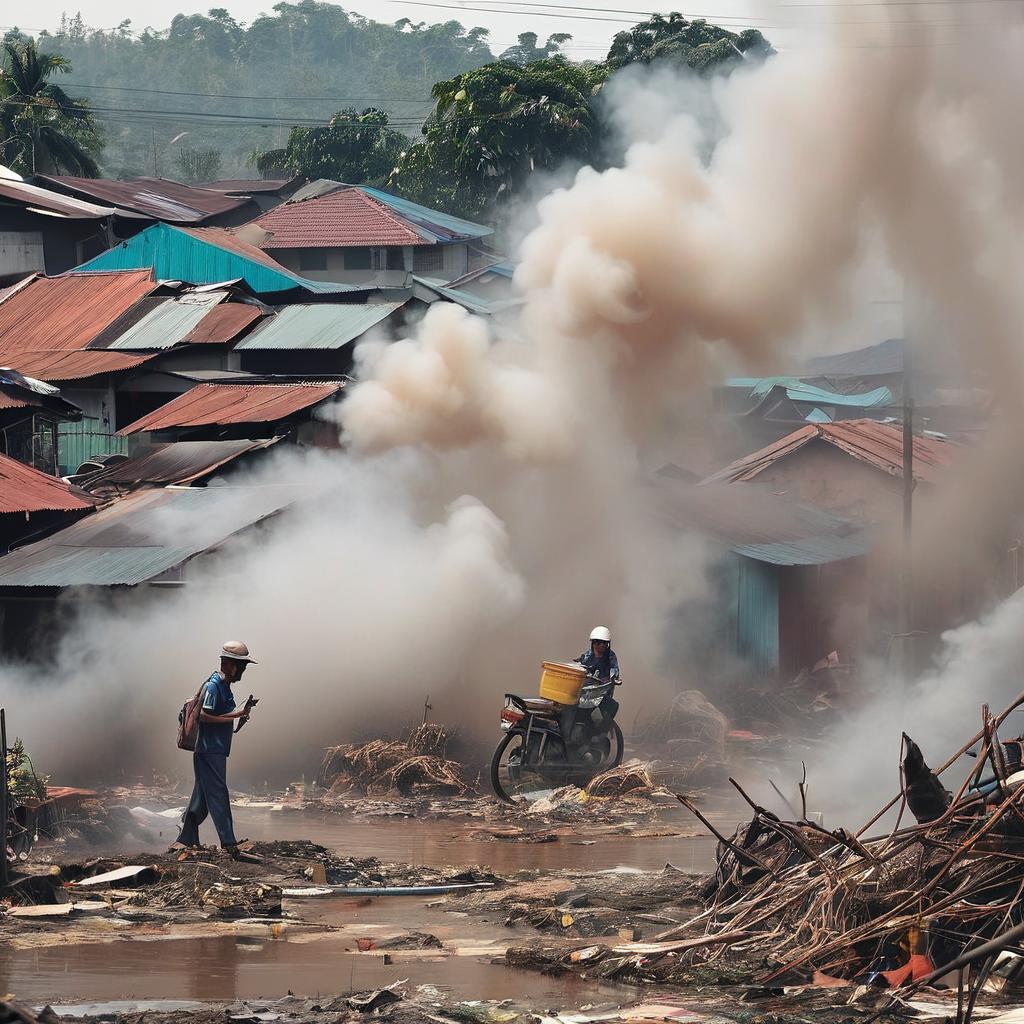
591 28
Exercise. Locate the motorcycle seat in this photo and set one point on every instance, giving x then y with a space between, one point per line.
541 706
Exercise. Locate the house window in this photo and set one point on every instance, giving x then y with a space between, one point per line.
428 258
312 259
396 258
358 259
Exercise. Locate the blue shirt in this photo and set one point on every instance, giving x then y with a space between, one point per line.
606 668
215 737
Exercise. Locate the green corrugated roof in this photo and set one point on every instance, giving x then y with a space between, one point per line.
168 324
177 255
317 326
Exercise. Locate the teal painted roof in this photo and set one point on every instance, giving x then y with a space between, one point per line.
205 256
799 391
807 551
317 326
168 323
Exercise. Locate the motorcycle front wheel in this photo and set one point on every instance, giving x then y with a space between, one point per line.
509 779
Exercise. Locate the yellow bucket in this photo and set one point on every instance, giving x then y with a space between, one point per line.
561 682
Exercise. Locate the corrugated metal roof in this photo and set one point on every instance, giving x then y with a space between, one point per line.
443 226
758 524
64 365
883 359
878 444
346 218
24 489
224 323
169 323
317 326
181 462
248 185
221 404
141 536
429 289
800 391
34 196
158 198
206 256
66 312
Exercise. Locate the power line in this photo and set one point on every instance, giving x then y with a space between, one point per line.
230 96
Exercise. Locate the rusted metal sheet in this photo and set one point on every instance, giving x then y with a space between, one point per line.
224 323
24 489
154 197
877 444
246 186
181 462
72 365
67 312
34 197
221 404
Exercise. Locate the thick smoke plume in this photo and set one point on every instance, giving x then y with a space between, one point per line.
493 503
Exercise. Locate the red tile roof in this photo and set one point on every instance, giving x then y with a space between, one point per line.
62 364
221 404
223 323
158 198
878 444
345 218
66 312
24 489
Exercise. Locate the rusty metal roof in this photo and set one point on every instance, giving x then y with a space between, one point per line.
221 404
347 217
67 312
43 199
224 323
181 462
248 185
877 444
141 536
72 365
158 198
24 489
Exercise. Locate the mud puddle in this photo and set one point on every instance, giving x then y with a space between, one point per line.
441 843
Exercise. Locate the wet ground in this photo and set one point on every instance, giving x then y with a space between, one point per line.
268 961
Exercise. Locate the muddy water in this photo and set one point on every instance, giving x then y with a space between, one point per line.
258 965
441 843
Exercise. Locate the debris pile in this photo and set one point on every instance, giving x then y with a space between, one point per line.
793 903
418 764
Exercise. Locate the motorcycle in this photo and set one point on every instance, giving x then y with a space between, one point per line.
534 755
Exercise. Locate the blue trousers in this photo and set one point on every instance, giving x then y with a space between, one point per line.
209 797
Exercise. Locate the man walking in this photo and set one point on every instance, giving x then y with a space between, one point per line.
210 759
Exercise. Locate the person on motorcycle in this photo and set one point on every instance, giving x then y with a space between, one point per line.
600 663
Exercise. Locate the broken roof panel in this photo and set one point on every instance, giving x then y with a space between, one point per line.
799 390
158 198
224 323
67 312
877 444
223 404
24 489
141 536
317 326
168 323
181 462
48 201
207 256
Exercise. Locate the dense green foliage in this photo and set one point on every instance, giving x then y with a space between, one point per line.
42 129
357 148
449 126
492 127
242 88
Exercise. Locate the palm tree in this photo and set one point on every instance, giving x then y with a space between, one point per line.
42 129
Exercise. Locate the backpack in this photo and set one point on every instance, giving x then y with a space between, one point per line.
188 720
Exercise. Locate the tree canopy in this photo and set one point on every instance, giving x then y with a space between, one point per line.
357 148
41 127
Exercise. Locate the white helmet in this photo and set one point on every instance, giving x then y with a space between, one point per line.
601 633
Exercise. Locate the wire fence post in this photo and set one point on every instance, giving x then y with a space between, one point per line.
4 803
